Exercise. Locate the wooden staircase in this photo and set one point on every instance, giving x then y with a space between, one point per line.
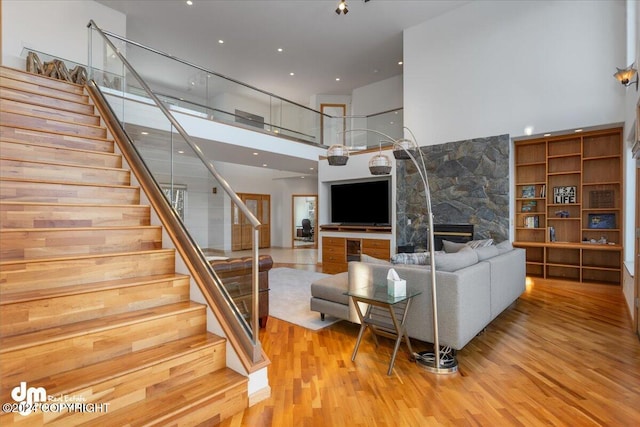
91 308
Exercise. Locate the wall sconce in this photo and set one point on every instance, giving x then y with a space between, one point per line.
624 75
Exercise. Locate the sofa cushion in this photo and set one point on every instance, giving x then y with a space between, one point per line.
332 288
420 258
455 261
487 252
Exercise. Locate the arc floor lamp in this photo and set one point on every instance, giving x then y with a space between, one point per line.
439 361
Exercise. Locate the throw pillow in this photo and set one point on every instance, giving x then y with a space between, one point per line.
487 252
504 246
480 243
455 261
372 260
452 247
420 258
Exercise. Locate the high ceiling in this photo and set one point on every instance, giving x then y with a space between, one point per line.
318 46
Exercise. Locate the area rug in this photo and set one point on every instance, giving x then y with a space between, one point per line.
289 296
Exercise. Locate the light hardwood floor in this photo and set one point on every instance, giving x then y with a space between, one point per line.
563 354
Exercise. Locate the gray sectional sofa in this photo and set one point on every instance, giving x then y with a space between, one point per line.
474 285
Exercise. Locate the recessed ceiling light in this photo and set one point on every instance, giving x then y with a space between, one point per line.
189 2
547 134
264 165
400 63
310 169
337 79
280 49
302 177
578 130
144 133
255 154
180 151
292 74
220 41
528 130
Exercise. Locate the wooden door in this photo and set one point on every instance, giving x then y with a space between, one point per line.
242 230
636 275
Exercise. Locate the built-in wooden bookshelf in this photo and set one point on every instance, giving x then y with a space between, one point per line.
568 204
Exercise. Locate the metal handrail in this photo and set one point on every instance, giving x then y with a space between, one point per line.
210 167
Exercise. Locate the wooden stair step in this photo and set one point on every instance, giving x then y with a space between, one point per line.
51 215
41 80
8 83
24 121
48 112
207 400
28 311
34 275
56 140
117 381
50 171
42 243
34 98
66 192
59 153
47 352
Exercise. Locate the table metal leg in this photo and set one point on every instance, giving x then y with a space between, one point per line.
401 332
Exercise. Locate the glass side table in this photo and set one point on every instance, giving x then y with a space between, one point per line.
385 315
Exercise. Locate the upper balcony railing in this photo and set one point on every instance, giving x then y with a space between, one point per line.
191 88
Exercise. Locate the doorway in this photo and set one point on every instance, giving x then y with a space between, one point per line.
304 220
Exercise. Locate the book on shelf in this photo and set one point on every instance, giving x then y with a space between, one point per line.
531 221
529 206
543 191
528 191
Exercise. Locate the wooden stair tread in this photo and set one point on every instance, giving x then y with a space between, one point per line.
75 205
81 257
36 88
8 104
41 79
48 120
59 147
79 184
58 132
11 297
61 164
44 336
65 383
160 409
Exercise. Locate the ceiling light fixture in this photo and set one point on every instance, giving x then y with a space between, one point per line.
342 8
220 41
280 49
189 3
624 75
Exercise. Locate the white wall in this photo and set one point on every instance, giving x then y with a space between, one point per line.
57 27
495 67
377 97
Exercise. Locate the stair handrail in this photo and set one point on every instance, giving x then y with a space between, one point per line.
211 168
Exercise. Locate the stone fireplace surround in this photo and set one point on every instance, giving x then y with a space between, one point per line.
469 184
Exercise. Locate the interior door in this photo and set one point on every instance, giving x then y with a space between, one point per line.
636 274
242 230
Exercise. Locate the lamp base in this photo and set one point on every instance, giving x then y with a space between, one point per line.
427 361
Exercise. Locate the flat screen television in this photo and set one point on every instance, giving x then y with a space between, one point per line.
361 203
